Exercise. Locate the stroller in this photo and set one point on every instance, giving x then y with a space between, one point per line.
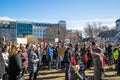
78 73
75 75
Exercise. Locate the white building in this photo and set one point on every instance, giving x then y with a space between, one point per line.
39 28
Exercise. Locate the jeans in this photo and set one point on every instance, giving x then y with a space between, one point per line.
67 71
58 62
49 62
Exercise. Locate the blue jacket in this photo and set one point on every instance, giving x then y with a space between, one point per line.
50 51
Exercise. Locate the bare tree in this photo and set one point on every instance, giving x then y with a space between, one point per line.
104 28
92 30
55 32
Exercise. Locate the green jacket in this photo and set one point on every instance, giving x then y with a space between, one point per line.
115 54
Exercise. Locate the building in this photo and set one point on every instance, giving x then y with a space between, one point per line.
111 35
107 36
117 24
8 28
24 28
117 36
35 28
38 29
62 23
12 29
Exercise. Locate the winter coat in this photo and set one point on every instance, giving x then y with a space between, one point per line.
118 70
98 69
67 56
2 66
15 65
32 63
50 51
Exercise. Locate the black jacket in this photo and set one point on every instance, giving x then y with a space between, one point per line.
67 56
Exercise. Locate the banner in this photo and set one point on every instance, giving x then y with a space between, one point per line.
22 40
56 39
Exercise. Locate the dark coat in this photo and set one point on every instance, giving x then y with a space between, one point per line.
2 66
67 56
15 65
98 69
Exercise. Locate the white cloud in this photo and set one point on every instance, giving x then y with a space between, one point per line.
80 24
5 18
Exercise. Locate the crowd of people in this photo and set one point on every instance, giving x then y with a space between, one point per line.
18 59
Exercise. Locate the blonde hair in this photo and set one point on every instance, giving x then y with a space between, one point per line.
14 50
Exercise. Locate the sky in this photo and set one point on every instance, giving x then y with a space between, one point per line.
76 13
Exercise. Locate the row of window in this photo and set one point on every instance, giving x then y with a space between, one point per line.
43 24
37 30
38 34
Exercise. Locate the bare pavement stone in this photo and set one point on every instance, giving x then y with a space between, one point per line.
110 74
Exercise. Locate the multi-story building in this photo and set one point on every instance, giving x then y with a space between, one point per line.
39 28
118 25
8 28
111 35
12 29
62 23
117 36
24 28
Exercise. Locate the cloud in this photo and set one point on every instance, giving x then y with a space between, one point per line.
94 20
80 24
5 18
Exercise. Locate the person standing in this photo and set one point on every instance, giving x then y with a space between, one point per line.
68 59
50 55
37 51
24 57
32 63
97 60
15 63
118 64
5 55
2 67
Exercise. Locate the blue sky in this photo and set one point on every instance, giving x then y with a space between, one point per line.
77 13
